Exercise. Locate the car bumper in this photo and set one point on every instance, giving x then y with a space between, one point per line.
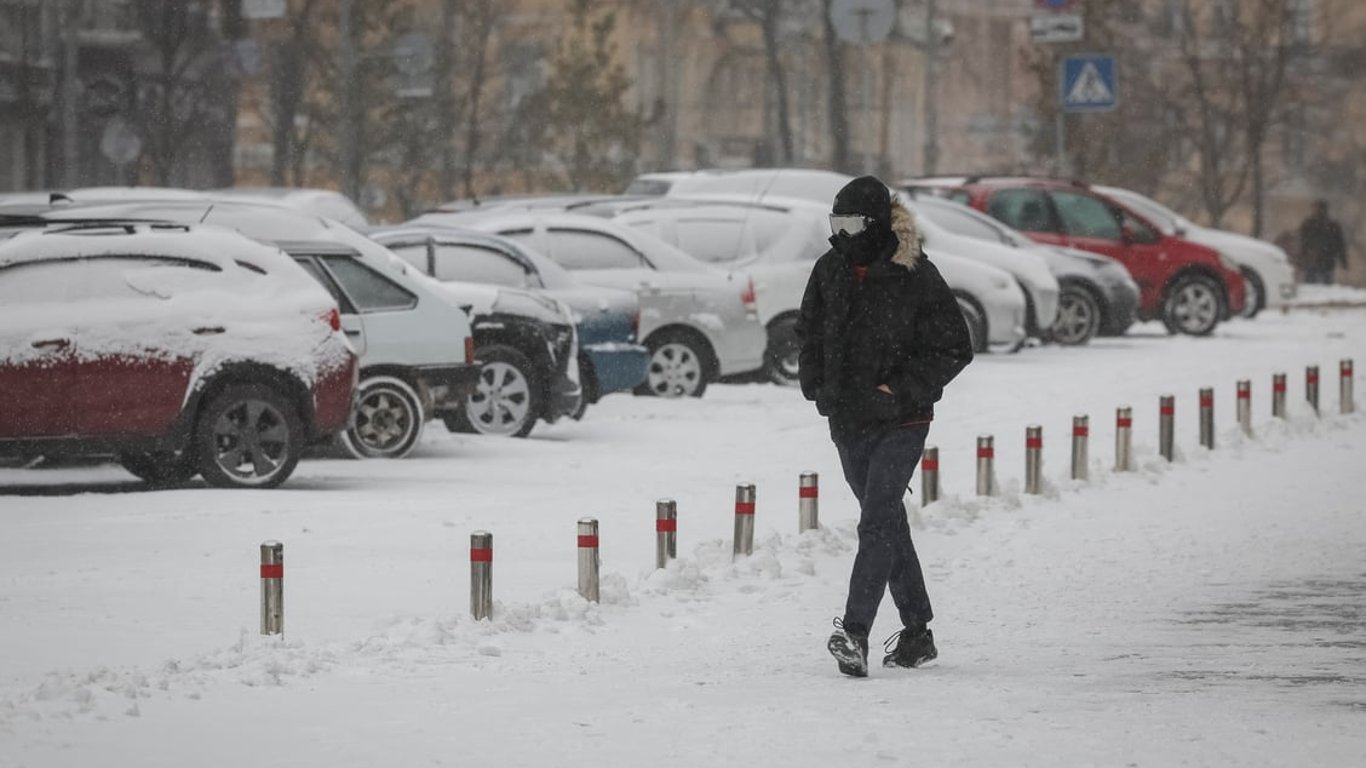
446 387
740 346
334 400
617 367
1121 308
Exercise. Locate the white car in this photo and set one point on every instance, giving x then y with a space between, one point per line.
698 322
319 202
777 240
415 343
1267 272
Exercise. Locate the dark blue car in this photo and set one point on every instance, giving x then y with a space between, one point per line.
611 359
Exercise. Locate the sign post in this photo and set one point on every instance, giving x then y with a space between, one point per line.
1086 83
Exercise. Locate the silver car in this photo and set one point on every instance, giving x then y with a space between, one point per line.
698 322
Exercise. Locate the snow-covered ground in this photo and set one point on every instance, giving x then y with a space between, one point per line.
1329 296
1208 612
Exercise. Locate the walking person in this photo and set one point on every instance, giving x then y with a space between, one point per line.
1322 246
881 334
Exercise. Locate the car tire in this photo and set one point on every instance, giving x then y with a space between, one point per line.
678 366
977 324
508 399
1078 316
1255 294
388 421
781 354
248 436
161 468
1193 305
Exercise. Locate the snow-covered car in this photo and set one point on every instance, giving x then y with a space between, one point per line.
698 322
1268 275
606 319
415 342
1097 294
319 202
775 241
161 345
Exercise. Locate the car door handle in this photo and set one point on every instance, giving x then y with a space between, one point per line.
352 331
209 330
52 344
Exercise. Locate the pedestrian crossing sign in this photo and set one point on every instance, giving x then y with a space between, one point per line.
1088 83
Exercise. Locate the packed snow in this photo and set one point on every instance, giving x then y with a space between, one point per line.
1204 612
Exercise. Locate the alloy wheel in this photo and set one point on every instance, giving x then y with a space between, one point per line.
251 440
675 371
1195 308
501 403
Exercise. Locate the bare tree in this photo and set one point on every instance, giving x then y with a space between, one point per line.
769 14
293 65
835 102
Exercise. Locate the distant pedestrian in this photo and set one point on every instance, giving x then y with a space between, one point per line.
1322 246
881 334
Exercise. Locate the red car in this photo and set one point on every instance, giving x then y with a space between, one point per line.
154 343
1189 287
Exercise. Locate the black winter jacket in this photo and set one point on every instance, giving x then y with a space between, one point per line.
900 326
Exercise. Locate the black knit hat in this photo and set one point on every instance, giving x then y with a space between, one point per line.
865 196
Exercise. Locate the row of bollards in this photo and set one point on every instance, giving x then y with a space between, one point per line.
808 492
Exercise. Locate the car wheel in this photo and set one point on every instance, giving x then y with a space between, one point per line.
977 325
508 399
389 420
1255 294
161 468
783 351
1078 316
677 367
1193 305
249 436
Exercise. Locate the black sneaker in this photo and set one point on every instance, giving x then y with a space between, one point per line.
849 646
914 647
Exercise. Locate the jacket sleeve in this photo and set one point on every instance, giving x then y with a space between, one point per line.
941 347
810 325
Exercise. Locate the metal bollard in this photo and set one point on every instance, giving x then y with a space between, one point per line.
588 559
1245 406
272 588
481 575
1124 439
1081 438
1166 426
1346 403
808 502
1207 418
929 476
1278 395
986 461
1311 387
666 532
1034 460
744 520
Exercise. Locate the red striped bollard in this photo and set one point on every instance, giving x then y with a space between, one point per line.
1034 460
588 559
1245 406
1081 438
1345 400
481 575
1311 387
1166 426
986 465
744 520
666 532
808 502
272 588
929 476
1278 395
1207 418
1124 439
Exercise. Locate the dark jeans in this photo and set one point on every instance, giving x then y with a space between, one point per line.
878 463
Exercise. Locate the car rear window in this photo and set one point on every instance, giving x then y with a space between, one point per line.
1085 216
1024 209
106 277
369 291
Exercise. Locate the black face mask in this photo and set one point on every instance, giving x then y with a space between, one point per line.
861 249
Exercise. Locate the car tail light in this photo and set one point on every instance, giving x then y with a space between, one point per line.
333 319
469 349
635 323
747 295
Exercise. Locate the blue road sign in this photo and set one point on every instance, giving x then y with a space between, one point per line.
1088 83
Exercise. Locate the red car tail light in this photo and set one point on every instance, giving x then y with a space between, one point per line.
333 318
469 349
635 323
747 295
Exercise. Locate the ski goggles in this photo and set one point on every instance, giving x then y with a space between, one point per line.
849 224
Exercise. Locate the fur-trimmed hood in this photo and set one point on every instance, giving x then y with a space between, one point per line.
908 237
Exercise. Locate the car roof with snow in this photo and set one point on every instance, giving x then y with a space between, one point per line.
210 246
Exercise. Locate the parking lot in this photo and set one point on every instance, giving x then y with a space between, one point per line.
1074 627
